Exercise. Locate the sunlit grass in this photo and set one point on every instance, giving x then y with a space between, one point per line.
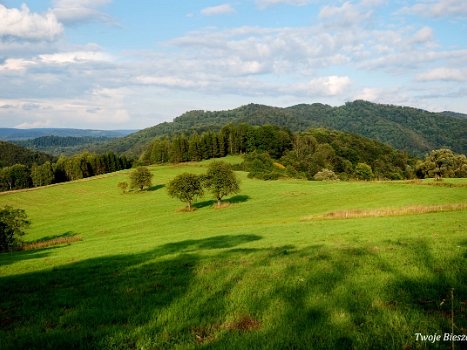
250 275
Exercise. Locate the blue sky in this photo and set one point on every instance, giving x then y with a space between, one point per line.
113 64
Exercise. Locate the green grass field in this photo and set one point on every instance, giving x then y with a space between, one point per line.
263 273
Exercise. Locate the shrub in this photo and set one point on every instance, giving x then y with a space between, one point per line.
326 175
123 185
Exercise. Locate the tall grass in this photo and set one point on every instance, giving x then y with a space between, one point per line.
374 213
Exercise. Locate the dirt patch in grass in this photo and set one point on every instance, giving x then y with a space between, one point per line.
207 334
244 323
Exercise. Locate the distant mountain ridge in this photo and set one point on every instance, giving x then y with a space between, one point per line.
7 134
415 130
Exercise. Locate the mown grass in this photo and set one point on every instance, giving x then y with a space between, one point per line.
249 275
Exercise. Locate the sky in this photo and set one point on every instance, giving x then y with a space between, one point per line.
114 64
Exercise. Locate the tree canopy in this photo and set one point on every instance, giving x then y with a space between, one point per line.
186 187
221 180
140 178
444 163
12 223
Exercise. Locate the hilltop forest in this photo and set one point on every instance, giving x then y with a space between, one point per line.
404 128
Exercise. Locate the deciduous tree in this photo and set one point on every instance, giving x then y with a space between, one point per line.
140 178
221 180
12 223
363 172
186 187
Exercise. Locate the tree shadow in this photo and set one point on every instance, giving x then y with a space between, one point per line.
102 302
214 293
216 242
208 203
155 188
8 258
48 238
237 199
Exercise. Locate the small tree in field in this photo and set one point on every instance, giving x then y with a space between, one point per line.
141 177
221 180
123 185
186 187
12 222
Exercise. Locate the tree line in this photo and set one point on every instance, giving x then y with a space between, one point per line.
301 154
79 166
272 152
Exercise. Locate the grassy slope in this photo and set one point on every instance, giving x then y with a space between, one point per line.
251 275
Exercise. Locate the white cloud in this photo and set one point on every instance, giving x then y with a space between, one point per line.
424 35
25 25
265 3
75 57
217 10
36 124
408 60
15 65
438 8
71 12
324 86
348 13
442 73
395 96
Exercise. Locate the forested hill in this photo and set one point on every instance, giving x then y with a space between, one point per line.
58 145
11 154
414 130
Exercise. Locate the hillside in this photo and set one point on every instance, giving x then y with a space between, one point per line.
414 130
279 268
11 154
63 145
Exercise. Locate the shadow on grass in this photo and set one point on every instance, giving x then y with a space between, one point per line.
155 188
213 293
216 242
231 200
100 303
199 205
67 234
8 258
237 199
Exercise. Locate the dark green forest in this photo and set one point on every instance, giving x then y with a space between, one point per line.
59 145
25 169
11 154
407 129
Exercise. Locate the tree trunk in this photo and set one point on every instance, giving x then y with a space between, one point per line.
218 202
189 205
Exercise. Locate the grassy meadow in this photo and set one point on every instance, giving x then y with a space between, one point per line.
279 267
